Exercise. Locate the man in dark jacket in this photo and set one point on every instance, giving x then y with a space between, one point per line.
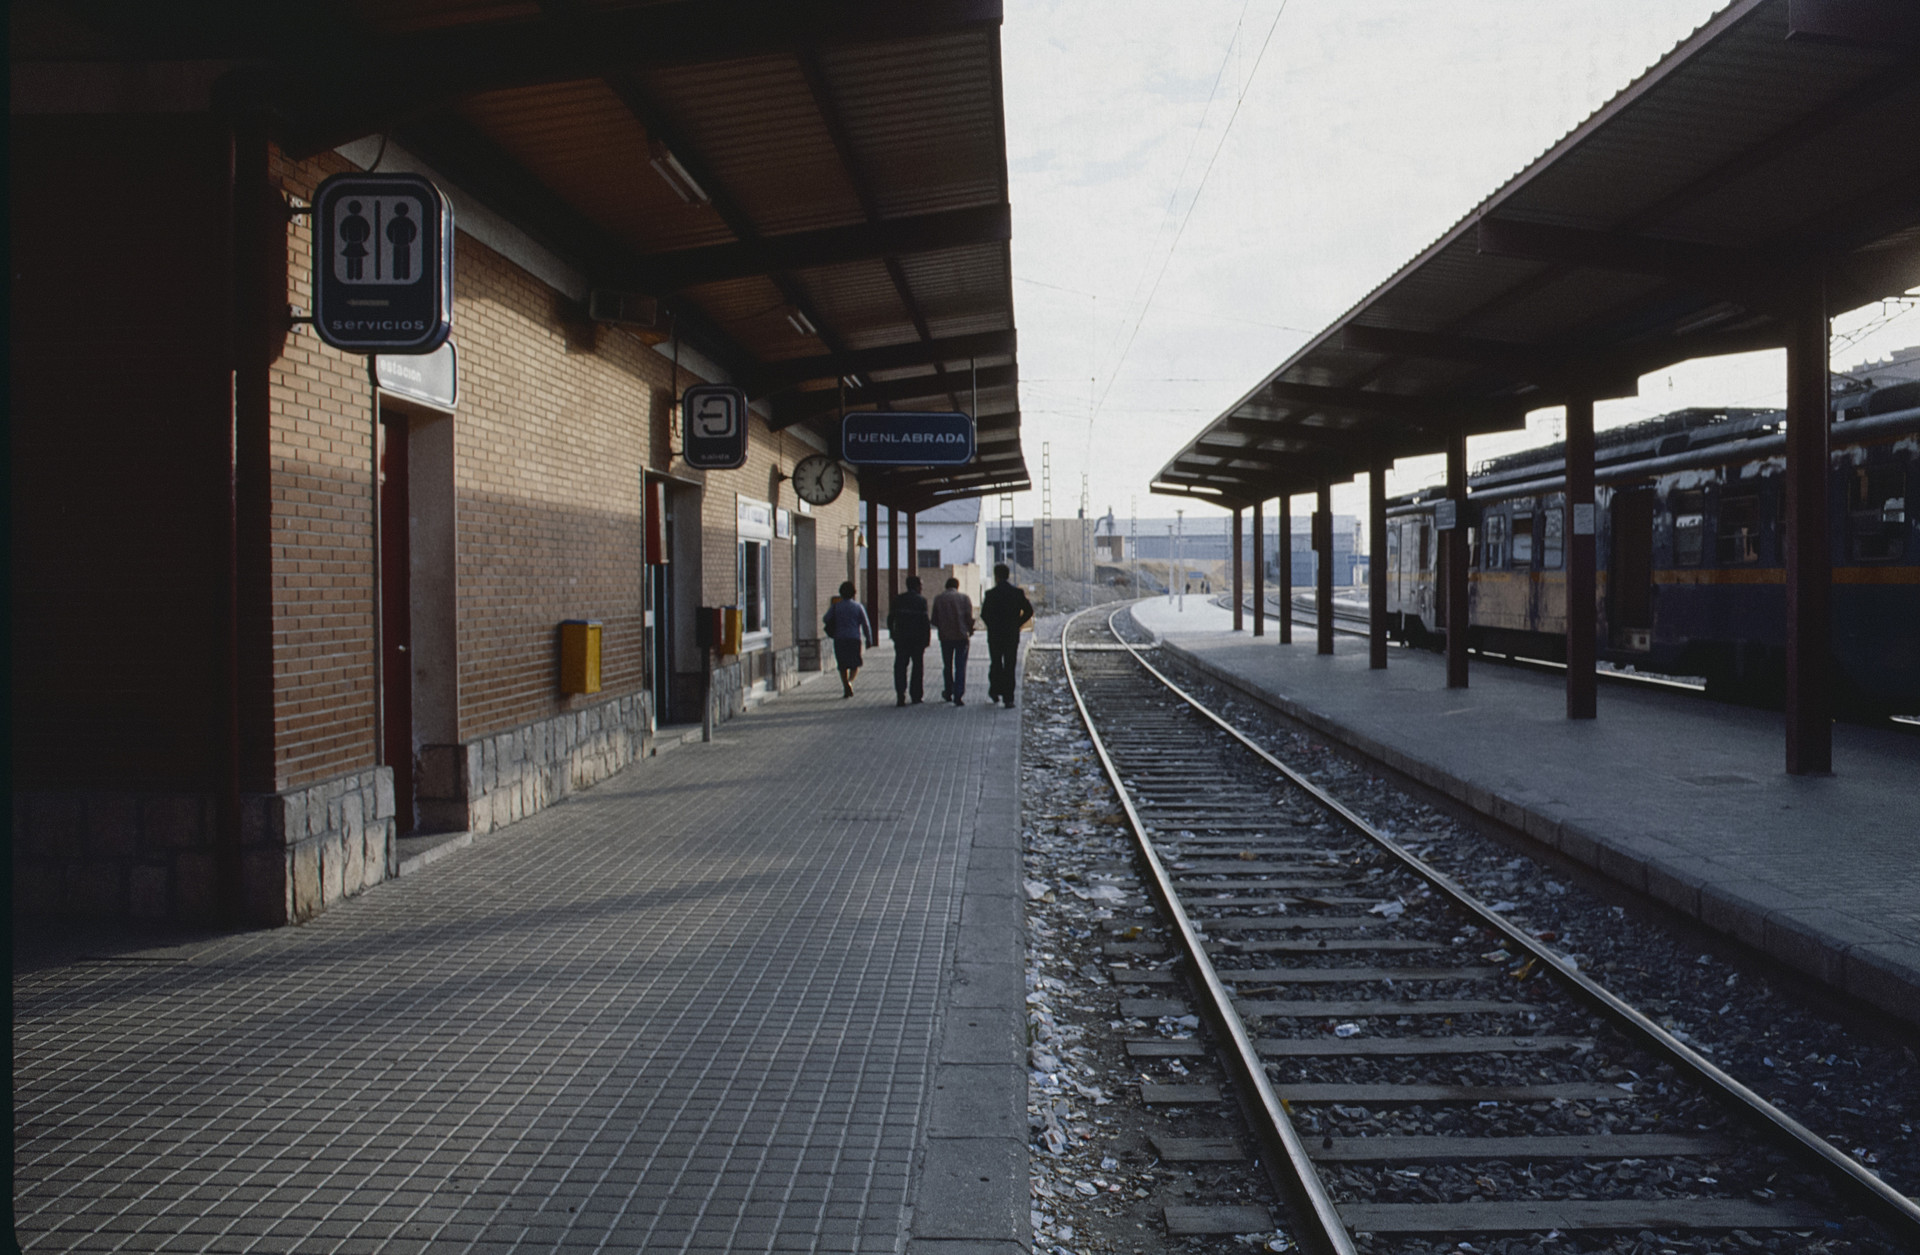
1003 609
911 628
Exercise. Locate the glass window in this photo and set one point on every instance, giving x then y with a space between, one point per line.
1737 538
1877 513
1426 542
1494 531
1689 526
925 559
756 585
1523 540
1553 523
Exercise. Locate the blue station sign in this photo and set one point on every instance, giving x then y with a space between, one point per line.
881 438
382 263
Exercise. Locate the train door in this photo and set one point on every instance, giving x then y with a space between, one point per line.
1630 571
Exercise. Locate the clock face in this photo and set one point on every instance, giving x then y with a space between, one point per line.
818 479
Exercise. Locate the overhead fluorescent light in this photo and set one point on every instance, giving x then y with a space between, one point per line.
798 320
853 381
675 175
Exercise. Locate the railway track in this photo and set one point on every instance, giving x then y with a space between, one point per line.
1411 1063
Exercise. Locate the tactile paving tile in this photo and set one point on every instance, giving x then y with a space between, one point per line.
690 1009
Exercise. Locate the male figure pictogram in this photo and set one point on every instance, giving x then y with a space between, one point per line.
400 233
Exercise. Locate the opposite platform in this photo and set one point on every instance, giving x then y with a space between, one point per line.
763 994
1682 798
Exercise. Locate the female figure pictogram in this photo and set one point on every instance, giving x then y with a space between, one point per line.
354 231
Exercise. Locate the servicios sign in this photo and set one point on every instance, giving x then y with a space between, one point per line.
889 439
382 264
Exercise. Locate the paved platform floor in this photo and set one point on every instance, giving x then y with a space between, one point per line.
759 995
1679 797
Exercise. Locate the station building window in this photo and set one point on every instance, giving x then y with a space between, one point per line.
754 587
926 558
1737 537
1877 513
1689 526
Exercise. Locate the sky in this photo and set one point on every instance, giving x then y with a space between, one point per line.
1198 189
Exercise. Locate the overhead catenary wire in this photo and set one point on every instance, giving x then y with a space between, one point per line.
1188 216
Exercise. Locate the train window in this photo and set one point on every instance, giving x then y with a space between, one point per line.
1738 538
1877 513
1426 535
1493 529
1553 523
1522 540
1689 526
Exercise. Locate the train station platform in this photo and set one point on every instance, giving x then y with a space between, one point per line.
1675 796
760 994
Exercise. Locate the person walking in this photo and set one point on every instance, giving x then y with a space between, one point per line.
1004 609
911 630
847 623
953 619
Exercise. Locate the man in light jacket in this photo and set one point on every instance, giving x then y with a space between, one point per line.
953 619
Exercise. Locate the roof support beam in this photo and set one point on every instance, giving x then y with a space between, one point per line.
1605 250
795 407
1859 23
923 233
776 376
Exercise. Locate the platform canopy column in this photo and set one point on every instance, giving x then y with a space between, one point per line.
1283 550
913 542
1377 561
1323 565
1259 568
1579 540
1453 564
1808 561
873 555
893 557
1239 623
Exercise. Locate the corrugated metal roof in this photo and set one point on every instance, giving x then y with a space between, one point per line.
810 130
1663 222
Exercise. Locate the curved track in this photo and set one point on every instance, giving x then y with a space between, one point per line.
1362 967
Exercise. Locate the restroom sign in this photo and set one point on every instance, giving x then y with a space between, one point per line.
382 264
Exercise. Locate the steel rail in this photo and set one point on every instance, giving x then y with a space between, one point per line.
1299 1184
1880 1200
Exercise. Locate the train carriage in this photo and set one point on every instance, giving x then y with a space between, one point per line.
1690 566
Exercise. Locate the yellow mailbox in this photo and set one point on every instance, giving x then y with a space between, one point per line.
580 656
732 623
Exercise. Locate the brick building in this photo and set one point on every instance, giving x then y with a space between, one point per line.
271 617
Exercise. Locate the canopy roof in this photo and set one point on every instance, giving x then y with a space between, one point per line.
813 190
1771 150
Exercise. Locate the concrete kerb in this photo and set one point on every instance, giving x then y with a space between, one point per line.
1721 906
971 1187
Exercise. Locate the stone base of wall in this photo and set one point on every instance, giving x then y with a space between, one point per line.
115 854
305 849
494 780
808 654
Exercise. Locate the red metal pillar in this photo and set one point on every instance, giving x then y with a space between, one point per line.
1323 548
1809 562
1579 541
1239 624
1377 562
1455 573
873 556
1259 569
1283 550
